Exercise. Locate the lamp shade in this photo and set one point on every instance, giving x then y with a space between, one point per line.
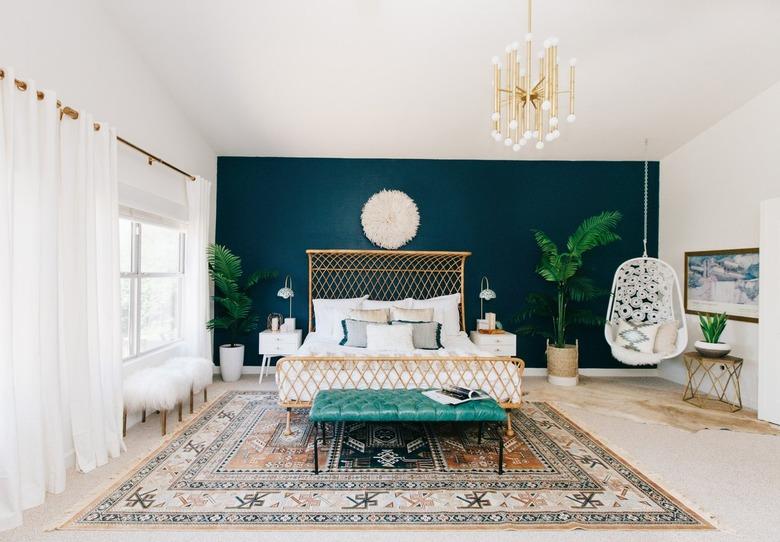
286 292
487 294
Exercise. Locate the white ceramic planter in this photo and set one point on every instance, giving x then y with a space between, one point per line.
712 350
231 361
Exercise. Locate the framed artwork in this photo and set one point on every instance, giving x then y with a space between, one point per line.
719 281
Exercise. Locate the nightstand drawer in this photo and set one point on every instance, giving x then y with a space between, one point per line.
275 343
487 339
281 348
499 350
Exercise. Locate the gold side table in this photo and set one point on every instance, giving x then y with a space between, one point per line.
713 381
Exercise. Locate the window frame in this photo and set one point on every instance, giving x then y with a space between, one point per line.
136 276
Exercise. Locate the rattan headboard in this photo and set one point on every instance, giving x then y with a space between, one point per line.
385 275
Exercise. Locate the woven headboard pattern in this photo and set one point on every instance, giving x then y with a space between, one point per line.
385 275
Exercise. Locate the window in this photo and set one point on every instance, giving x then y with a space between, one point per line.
151 259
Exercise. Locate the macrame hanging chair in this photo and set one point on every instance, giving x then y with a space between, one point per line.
645 290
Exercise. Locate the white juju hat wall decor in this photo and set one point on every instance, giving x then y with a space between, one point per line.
390 219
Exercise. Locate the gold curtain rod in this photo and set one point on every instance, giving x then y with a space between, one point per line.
68 111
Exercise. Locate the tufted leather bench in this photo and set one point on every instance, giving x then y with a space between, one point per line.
399 405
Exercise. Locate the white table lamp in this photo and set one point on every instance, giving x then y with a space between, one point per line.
485 295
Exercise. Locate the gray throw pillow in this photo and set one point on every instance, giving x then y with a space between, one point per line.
425 335
354 333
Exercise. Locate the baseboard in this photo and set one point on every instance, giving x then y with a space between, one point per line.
604 373
251 370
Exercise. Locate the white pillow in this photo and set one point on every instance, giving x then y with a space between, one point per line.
639 336
395 338
328 314
374 304
412 315
380 316
445 311
666 338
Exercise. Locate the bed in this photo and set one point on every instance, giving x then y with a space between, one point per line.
388 275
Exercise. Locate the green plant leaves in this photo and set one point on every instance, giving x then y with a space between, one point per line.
712 326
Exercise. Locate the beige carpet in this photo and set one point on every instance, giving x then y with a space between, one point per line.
733 475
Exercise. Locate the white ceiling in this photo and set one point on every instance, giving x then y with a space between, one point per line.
411 78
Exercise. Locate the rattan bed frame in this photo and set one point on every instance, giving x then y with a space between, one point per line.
389 275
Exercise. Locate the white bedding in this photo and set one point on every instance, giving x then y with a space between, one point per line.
297 382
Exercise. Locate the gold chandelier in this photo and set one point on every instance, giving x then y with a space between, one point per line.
526 108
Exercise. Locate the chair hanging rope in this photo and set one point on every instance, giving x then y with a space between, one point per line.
646 292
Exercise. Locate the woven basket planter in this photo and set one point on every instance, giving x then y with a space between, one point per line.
563 364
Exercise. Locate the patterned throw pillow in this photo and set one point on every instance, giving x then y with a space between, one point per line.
370 315
637 336
411 315
425 335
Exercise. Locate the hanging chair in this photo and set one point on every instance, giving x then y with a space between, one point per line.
645 290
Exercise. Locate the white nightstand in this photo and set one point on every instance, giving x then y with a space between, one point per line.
275 344
502 344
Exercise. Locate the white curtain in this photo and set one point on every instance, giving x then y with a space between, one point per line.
60 357
197 301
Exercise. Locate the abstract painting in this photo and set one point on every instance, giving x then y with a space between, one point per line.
720 281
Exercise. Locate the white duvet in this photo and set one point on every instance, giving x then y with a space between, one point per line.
299 382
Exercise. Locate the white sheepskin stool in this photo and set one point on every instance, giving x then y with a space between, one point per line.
200 372
155 388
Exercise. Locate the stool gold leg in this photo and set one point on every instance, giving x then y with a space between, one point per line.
288 426
124 422
509 431
192 399
180 409
205 395
143 416
163 422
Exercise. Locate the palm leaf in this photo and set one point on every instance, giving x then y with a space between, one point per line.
546 245
594 231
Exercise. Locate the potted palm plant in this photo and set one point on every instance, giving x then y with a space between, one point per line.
551 313
232 306
712 326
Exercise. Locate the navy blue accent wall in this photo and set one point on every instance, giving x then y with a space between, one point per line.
270 210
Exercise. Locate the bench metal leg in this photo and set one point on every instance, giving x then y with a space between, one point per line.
288 426
500 452
479 435
316 456
509 431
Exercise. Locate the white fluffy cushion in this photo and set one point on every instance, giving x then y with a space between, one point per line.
381 316
445 311
666 338
200 371
330 312
156 388
639 336
395 338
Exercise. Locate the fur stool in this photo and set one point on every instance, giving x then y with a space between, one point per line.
199 371
155 388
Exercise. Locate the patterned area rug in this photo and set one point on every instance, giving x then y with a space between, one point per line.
232 467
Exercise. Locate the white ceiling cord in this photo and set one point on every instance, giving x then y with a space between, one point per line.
644 231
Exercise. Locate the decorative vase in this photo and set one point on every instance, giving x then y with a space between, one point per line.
712 350
563 364
231 361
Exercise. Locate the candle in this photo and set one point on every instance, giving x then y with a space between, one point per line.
274 324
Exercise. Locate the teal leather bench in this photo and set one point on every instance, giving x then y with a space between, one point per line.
399 405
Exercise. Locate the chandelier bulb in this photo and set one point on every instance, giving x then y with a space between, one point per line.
497 136
536 134
554 40
540 145
495 116
546 105
553 121
513 124
571 118
508 48
522 141
515 46
495 60
549 137
508 142
547 44
529 36
516 147
528 134
541 54
572 62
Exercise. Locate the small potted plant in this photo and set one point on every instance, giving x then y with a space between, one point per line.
232 307
563 269
712 326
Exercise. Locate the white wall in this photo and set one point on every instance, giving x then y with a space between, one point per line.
711 189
